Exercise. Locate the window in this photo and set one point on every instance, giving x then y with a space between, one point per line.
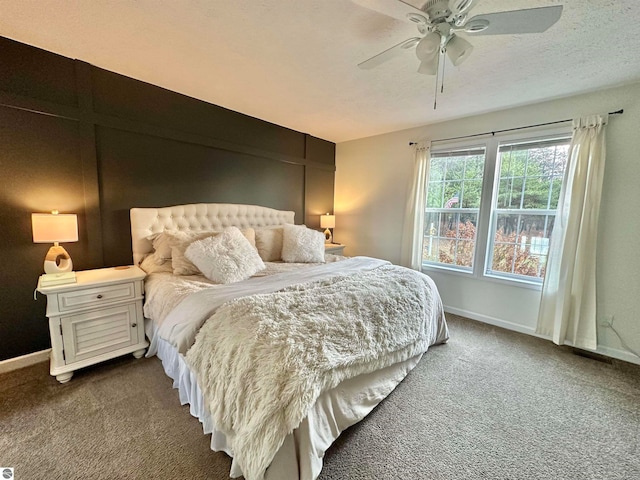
453 203
491 207
524 207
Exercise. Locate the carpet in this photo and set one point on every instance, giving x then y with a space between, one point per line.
490 404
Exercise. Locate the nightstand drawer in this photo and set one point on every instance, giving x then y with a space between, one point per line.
95 296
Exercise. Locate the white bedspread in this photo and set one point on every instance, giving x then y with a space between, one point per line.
183 322
302 453
263 360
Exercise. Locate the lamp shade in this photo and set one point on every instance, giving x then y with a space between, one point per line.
54 227
327 221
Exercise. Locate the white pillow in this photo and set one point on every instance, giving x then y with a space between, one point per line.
269 243
303 245
162 245
149 265
226 258
181 264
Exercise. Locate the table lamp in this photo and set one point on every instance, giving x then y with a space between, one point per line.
53 228
327 222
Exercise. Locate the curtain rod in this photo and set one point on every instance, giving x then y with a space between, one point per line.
617 112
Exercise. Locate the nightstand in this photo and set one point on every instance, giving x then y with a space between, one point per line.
97 318
334 248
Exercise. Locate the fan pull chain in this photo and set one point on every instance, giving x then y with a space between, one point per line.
435 95
444 64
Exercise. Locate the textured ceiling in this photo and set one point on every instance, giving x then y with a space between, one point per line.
293 62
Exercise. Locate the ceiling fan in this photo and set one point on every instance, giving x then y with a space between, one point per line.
440 21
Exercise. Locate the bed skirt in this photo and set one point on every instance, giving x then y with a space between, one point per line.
301 455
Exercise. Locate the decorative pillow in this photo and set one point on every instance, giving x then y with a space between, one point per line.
162 245
226 258
149 265
303 245
269 243
181 264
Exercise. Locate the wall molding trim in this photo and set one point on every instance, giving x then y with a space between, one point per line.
17 363
88 116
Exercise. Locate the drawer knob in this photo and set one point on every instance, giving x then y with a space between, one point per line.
99 296
134 325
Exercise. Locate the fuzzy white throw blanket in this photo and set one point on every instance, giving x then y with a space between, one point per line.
263 360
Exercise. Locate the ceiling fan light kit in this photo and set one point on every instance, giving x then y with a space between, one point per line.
439 21
458 49
428 46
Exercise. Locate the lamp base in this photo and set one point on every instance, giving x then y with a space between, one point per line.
328 238
57 260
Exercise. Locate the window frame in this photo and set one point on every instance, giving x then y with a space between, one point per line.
489 192
461 146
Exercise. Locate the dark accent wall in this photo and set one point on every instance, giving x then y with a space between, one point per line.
79 139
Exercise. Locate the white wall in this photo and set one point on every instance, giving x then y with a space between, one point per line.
373 178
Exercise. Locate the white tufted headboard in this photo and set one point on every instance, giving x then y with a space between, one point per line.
197 217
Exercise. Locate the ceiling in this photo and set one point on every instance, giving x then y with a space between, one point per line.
294 62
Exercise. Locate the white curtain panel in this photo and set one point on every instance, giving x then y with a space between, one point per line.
413 231
568 305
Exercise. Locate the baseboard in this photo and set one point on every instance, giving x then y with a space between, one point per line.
492 321
24 361
602 350
618 354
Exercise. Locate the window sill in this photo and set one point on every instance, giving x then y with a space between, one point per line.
511 282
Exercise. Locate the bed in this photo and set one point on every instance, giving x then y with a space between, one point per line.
280 429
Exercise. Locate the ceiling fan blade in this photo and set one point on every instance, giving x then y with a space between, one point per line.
392 8
531 20
389 53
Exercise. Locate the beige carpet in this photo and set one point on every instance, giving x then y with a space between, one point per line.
491 404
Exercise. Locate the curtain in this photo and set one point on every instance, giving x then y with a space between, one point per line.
413 231
568 304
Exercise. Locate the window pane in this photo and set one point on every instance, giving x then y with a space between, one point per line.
455 168
450 238
436 170
536 192
453 201
474 168
434 194
510 192
471 194
529 183
521 244
556 185
451 197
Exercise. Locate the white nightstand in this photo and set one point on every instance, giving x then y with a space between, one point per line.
97 318
334 248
